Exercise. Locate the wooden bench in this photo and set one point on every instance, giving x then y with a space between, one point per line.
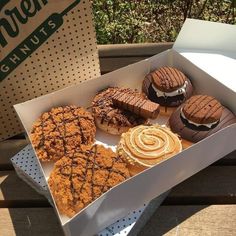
205 204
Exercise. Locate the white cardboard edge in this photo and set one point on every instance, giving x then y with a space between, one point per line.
127 196
200 35
210 46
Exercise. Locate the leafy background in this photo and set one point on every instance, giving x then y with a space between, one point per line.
139 21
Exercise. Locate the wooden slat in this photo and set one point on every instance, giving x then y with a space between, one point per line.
216 184
113 57
192 220
230 159
8 149
110 64
132 50
14 192
29 221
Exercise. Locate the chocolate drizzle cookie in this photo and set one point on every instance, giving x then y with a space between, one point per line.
111 118
83 176
62 130
202 109
167 86
200 117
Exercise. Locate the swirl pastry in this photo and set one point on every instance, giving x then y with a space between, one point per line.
146 146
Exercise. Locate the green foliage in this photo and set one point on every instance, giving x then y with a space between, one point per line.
137 21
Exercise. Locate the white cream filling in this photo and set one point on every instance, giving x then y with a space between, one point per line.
209 125
181 90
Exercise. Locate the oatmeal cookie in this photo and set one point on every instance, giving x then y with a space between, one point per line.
80 178
62 130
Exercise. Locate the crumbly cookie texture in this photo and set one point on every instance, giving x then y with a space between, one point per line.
81 177
62 130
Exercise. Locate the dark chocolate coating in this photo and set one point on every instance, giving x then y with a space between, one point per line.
194 134
103 108
170 101
137 104
168 79
202 109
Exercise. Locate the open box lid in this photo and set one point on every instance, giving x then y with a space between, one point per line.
210 46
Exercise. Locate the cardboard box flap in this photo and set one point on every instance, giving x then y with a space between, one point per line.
211 46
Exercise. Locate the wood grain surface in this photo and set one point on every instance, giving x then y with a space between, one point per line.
29 222
192 220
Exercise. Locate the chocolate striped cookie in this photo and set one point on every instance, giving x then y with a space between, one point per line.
167 86
200 117
80 178
202 109
61 131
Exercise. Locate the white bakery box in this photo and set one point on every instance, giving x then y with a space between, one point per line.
206 53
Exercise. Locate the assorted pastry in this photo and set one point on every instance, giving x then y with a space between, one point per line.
167 86
80 177
146 145
62 130
113 119
84 170
199 117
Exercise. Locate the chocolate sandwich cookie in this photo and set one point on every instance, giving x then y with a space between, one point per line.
109 117
80 178
167 86
202 109
62 130
200 117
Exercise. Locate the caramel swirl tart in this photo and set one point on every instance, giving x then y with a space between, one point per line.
148 145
